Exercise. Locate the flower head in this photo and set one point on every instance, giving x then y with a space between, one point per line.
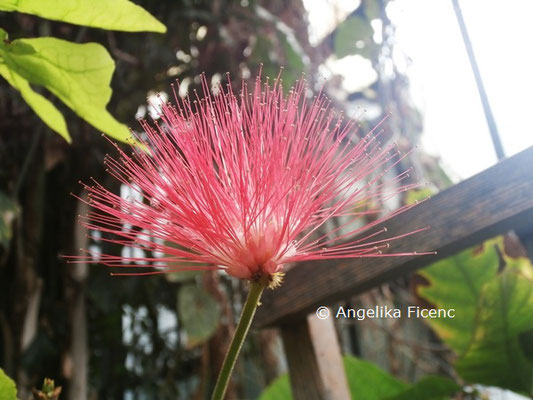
245 183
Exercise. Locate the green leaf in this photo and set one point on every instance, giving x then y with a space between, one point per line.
9 210
44 108
354 36
118 15
492 330
429 388
198 313
496 355
365 380
280 389
368 381
8 390
456 282
78 74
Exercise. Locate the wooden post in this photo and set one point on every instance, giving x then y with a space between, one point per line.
315 362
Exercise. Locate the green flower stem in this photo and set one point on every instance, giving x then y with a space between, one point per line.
252 301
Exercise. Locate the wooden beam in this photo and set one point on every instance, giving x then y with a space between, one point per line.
491 202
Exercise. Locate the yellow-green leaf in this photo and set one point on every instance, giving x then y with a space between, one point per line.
280 389
8 391
40 104
78 74
367 381
118 15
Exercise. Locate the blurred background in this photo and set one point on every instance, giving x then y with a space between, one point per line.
164 337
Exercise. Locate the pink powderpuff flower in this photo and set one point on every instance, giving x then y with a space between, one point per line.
245 183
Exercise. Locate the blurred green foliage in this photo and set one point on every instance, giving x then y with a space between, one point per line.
369 382
354 27
198 312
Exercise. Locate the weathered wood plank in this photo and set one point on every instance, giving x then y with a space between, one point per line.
329 356
315 361
491 202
